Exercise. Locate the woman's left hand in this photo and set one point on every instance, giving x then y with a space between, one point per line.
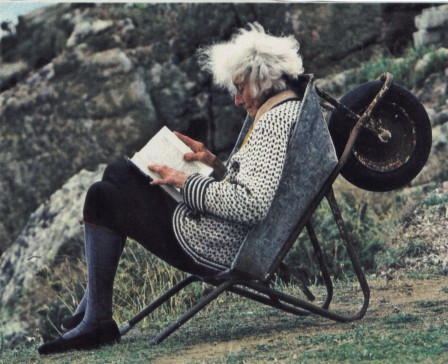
169 176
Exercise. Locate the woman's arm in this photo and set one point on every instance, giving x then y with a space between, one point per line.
248 193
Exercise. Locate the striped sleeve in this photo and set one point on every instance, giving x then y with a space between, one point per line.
193 192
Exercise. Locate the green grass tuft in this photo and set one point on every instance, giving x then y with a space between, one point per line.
410 70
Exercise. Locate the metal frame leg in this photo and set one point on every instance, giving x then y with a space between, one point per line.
351 253
128 325
204 301
322 264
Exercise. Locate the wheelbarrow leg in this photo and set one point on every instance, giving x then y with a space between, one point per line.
351 252
322 263
128 325
204 301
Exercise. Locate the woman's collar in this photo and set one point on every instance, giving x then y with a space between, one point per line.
274 101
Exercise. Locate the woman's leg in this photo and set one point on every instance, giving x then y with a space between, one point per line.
103 251
102 200
122 204
125 202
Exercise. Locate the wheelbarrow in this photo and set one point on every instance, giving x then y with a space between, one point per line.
378 137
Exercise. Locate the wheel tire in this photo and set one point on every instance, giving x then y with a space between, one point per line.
374 165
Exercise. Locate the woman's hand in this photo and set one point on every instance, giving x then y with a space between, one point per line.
200 152
169 176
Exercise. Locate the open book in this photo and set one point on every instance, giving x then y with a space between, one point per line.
165 148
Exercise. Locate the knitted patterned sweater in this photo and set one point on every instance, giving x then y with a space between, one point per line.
215 216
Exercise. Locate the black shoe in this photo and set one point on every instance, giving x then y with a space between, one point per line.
71 321
106 333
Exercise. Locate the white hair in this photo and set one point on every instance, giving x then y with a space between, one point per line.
263 58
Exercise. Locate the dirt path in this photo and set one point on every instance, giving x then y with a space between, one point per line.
388 297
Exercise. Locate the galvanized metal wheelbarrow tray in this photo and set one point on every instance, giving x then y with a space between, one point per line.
314 160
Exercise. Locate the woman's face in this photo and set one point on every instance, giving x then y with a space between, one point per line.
243 97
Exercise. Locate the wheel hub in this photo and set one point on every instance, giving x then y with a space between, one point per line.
385 154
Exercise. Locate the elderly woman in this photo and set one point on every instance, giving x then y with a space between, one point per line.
201 234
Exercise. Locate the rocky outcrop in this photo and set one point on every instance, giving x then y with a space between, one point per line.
36 40
399 25
434 95
432 25
54 123
94 102
52 237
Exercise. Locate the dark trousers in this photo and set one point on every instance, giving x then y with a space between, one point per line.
125 202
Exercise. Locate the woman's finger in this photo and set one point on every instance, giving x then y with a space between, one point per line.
193 144
156 168
169 176
198 156
187 140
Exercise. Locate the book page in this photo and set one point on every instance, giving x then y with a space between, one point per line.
165 148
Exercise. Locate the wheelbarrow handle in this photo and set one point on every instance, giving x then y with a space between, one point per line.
362 121
387 80
383 135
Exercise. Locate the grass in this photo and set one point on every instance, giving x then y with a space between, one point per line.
394 257
434 199
235 330
402 345
410 70
370 219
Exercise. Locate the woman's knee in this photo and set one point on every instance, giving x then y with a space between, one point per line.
102 203
115 171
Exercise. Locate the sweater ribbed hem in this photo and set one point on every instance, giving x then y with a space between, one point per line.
179 213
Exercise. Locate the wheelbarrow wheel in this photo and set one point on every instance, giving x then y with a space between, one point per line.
391 161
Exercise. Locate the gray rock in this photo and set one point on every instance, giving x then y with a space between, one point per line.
88 27
336 84
425 38
170 90
57 122
11 72
52 235
400 24
226 124
441 117
40 36
432 25
433 91
435 170
425 226
435 17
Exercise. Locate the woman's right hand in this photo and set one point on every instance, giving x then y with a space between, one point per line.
200 152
